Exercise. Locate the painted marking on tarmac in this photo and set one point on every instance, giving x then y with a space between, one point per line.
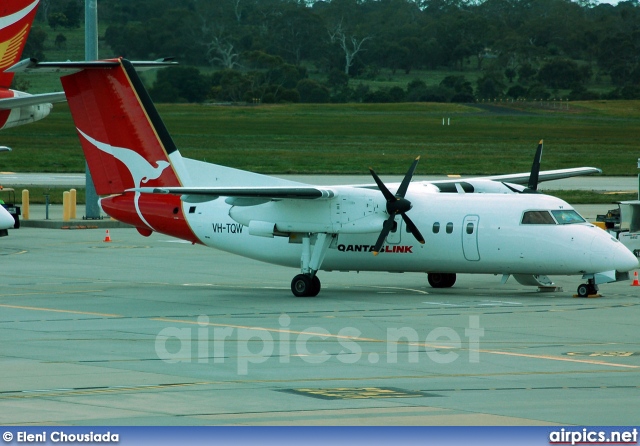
413 290
418 344
11 252
80 391
354 393
604 354
498 303
481 389
559 358
47 293
120 247
15 394
55 310
334 336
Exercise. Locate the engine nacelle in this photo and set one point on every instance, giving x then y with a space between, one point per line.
349 211
27 115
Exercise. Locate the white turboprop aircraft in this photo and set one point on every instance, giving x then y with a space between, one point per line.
17 107
6 222
478 225
6 219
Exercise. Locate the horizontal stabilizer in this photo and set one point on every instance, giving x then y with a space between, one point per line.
69 67
274 193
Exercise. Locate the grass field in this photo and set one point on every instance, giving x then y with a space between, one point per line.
348 138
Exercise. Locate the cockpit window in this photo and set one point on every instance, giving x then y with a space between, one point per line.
537 218
567 217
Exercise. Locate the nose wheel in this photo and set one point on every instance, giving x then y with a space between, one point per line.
304 285
588 289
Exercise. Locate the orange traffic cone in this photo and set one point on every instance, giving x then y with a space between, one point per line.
108 238
635 279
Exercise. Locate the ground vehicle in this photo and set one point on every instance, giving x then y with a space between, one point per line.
624 224
8 201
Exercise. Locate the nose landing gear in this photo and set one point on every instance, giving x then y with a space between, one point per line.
588 289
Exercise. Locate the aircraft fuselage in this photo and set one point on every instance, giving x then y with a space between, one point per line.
464 233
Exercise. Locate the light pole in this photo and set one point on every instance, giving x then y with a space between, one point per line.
92 210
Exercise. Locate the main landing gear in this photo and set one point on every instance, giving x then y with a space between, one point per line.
588 289
303 285
307 284
441 280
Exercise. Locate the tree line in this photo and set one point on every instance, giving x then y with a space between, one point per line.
321 51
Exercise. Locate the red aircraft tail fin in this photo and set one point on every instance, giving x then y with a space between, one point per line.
16 17
123 137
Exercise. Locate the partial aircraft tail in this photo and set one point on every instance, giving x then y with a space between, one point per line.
125 142
16 17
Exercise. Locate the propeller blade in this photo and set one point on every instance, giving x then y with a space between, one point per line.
535 169
386 228
402 190
387 194
413 229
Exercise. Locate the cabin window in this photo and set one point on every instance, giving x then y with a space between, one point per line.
449 228
470 228
537 218
436 227
567 217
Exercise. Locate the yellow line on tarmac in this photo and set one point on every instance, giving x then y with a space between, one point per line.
329 335
272 330
560 358
48 293
55 310
362 339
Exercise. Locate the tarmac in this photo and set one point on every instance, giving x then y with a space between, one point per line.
155 331
51 217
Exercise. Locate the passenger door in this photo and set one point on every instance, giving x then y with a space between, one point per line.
470 237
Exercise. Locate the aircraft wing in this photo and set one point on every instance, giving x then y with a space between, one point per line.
69 67
35 99
272 193
545 175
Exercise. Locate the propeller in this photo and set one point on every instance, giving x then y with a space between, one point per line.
532 186
396 204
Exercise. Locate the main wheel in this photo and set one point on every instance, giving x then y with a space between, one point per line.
583 290
441 280
301 285
315 286
305 286
451 280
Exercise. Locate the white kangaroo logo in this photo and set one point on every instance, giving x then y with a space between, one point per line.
141 170
17 16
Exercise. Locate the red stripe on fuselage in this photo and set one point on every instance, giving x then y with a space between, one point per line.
163 212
